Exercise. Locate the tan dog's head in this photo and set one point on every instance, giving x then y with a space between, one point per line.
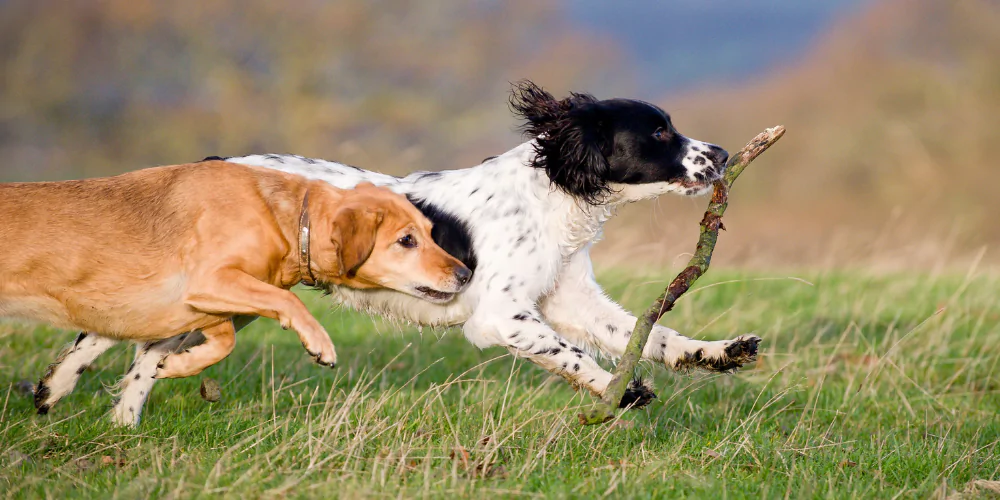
372 237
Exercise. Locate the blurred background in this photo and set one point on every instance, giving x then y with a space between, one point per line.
892 106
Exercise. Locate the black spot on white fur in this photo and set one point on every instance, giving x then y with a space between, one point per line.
427 175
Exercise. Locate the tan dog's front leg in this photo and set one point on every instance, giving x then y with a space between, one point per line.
232 292
219 343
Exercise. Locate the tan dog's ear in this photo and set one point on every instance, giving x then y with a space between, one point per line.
354 232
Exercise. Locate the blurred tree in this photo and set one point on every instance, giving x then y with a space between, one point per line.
97 87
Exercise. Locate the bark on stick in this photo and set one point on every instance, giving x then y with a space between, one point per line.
711 223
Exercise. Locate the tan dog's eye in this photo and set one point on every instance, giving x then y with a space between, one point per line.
407 241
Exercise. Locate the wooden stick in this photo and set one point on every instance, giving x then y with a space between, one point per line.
711 223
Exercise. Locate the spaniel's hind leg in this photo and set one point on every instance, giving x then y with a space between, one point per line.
137 384
135 387
62 375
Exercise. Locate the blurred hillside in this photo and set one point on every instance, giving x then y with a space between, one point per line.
892 119
891 112
93 88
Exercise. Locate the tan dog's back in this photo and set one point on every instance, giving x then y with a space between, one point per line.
115 245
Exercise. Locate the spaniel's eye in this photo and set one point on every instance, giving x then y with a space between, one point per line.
661 134
407 241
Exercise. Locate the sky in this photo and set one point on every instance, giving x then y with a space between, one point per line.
679 44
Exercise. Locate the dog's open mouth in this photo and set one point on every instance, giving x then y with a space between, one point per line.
695 184
702 182
435 295
694 188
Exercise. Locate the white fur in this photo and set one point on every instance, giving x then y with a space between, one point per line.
695 160
65 372
137 383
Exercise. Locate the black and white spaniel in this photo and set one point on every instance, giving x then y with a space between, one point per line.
524 221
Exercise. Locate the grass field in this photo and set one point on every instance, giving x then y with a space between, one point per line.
867 387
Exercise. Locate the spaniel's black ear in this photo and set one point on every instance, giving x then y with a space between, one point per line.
571 141
539 109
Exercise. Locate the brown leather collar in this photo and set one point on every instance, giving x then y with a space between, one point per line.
305 261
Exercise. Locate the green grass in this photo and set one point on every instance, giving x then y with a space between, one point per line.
867 387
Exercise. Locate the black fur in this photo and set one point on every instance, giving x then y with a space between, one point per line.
743 349
41 394
572 149
738 353
585 144
449 232
637 395
214 158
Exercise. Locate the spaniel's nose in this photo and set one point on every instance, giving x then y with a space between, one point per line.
717 155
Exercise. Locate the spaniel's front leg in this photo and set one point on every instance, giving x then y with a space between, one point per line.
579 309
514 323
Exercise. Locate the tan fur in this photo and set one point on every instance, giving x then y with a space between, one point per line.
162 251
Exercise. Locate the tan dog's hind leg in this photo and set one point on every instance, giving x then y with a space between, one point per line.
234 292
219 342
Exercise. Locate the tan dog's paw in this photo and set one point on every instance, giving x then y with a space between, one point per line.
325 355
317 343
315 340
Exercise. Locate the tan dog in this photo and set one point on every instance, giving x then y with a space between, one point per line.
158 252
